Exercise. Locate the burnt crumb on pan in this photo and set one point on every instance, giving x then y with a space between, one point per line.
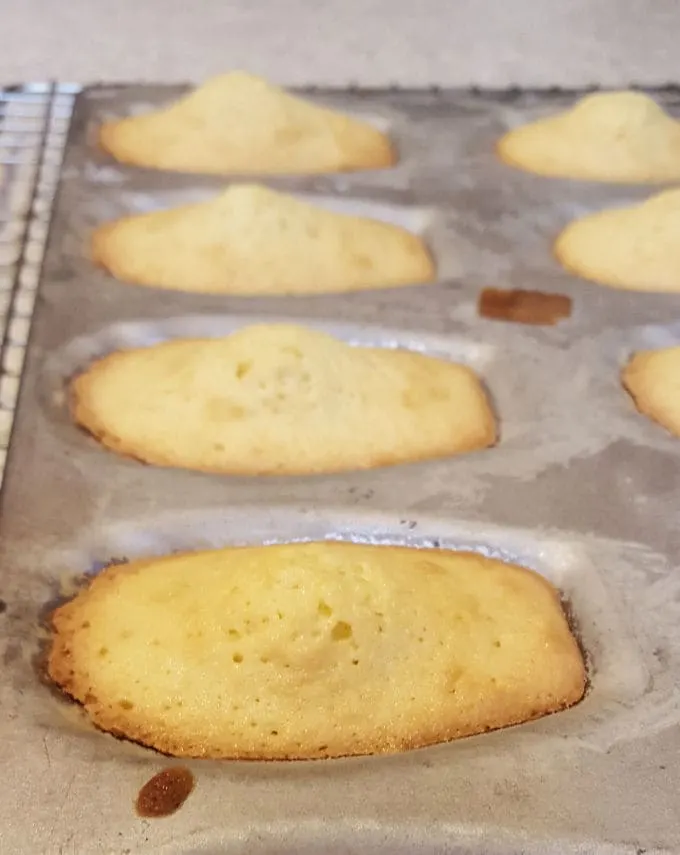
165 793
524 307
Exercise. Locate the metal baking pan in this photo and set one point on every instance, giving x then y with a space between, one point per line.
581 487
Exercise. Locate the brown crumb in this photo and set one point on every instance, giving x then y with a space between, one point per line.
165 793
524 307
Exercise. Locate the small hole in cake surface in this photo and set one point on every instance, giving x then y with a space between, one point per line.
237 657
341 631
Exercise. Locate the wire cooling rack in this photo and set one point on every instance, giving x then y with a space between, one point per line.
34 124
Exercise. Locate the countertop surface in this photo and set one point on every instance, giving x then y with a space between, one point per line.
371 42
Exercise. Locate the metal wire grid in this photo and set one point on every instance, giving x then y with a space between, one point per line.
34 123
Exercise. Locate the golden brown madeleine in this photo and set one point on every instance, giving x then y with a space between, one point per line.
314 650
635 248
237 123
652 378
280 399
618 137
250 240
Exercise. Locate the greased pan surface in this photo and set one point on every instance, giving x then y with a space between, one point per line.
580 487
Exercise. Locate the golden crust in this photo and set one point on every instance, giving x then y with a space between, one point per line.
237 123
253 240
112 642
652 378
278 399
617 137
634 248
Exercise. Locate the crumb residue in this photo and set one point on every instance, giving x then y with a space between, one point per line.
524 307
